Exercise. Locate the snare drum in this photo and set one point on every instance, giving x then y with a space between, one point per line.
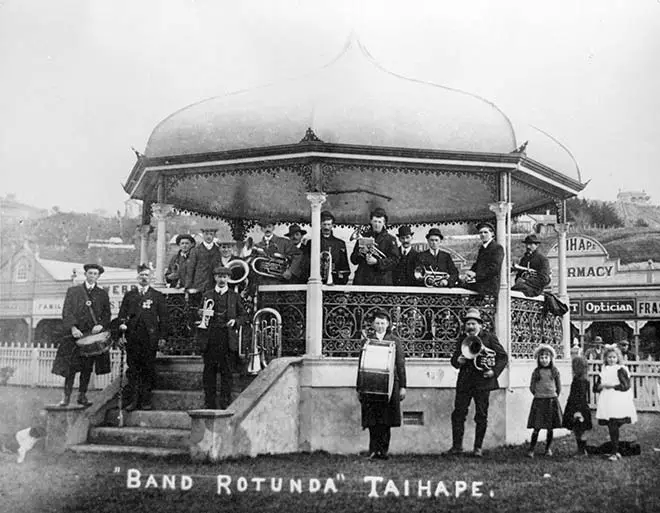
376 371
94 345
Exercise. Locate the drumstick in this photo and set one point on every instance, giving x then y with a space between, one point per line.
120 400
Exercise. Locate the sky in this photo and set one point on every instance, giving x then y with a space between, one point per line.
83 81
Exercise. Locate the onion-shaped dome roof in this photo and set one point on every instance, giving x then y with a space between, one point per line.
352 100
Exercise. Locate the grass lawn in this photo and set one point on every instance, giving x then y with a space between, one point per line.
69 482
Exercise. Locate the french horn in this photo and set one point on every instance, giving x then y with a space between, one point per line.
483 358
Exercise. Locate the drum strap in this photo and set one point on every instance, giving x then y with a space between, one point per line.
89 305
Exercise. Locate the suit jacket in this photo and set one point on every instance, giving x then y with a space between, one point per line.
178 269
144 312
381 272
469 378
403 274
441 262
199 271
285 247
337 247
225 308
487 269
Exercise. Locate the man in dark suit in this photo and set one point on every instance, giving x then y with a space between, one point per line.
271 245
86 311
215 341
403 274
203 258
143 316
295 235
341 271
379 415
484 275
178 268
436 259
474 384
537 277
375 267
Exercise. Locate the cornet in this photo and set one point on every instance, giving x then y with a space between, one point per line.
207 313
482 357
326 267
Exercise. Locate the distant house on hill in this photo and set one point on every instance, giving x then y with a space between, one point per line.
537 223
12 210
639 197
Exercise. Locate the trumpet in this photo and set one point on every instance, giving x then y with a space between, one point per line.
266 339
207 313
431 277
483 358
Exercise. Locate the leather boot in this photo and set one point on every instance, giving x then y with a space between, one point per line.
82 399
66 399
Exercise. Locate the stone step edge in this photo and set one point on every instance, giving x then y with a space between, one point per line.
128 449
141 430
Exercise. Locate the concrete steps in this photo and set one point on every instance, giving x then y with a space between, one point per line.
150 419
139 436
156 452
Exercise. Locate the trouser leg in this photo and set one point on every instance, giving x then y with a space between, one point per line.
458 416
148 375
209 378
387 435
85 374
481 398
226 379
373 440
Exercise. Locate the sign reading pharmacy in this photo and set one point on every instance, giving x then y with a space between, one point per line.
587 260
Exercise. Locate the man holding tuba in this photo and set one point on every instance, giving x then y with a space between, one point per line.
477 376
378 256
336 249
217 335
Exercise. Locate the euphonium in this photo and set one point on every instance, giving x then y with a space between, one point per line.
272 266
207 313
431 277
266 339
482 357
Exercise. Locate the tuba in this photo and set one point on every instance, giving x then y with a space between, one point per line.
207 313
238 264
431 277
271 266
482 357
266 339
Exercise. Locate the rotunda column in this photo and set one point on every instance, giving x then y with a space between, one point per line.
161 211
503 313
562 230
145 230
314 333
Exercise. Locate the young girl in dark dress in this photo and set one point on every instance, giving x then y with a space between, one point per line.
577 415
546 387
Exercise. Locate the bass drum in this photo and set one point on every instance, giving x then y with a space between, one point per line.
94 345
376 370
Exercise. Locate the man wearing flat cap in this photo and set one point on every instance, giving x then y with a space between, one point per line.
203 258
437 260
272 245
178 268
86 311
533 271
375 262
214 341
143 317
295 235
484 275
341 271
474 383
403 274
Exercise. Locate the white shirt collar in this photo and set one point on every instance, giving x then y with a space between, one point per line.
434 252
207 245
89 287
267 239
380 336
485 245
143 290
221 291
405 251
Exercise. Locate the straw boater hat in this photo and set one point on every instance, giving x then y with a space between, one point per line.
98 267
473 313
545 347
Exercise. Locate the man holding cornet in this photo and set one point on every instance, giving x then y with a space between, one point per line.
480 359
375 253
222 314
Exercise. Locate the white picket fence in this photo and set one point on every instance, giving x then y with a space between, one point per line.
32 366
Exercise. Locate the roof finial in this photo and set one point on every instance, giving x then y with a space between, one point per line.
310 136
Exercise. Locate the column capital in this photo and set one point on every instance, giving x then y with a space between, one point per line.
500 208
145 229
316 199
562 228
161 211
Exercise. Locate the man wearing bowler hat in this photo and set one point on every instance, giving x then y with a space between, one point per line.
272 245
176 271
536 273
214 341
403 274
86 311
203 259
295 235
484 275
474 383
341 271
437 260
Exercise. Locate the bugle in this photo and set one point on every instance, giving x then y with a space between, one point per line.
472 348
207 313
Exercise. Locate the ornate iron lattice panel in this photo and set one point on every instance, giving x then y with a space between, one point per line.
292 306
530 326
428 324
181 333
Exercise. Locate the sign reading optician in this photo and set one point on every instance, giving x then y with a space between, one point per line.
620 308
648 308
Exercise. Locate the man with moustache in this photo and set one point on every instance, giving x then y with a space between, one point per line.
484 275
176 271
474 384
538 265
203 259
86 311
228 315
436 259
372 269
403 274
143 317
295 235
272 244
341 271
